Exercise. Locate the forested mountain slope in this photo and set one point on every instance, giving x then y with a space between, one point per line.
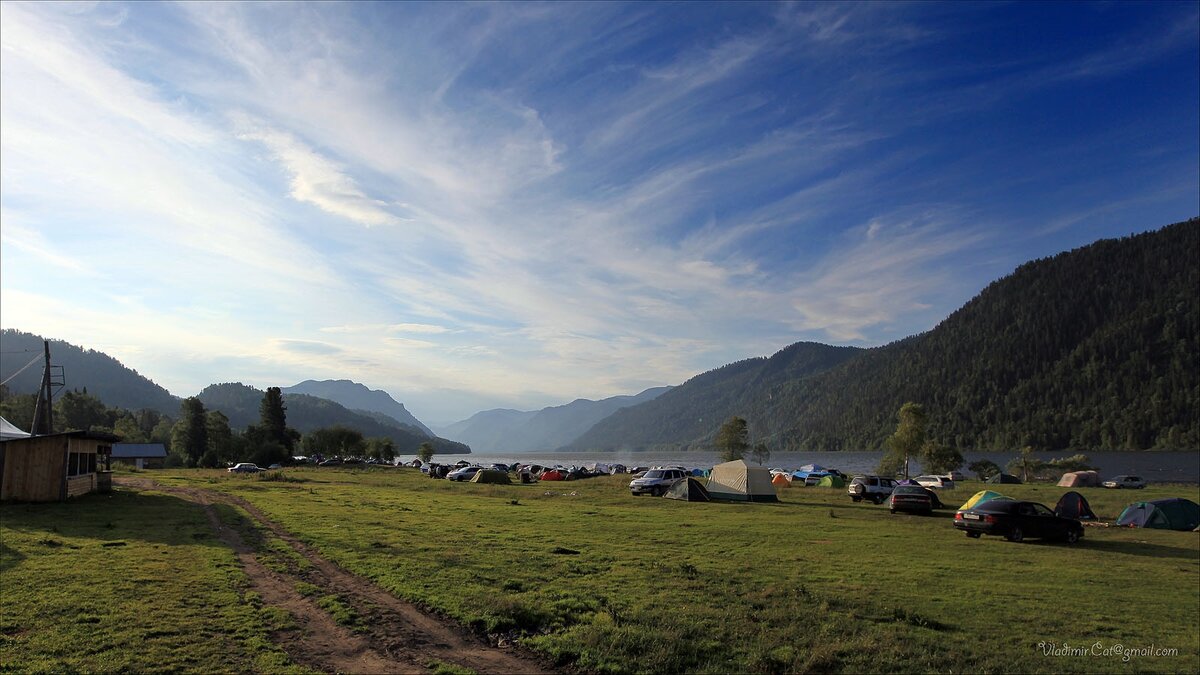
693 410
102 375
359 397
1096 348
305 413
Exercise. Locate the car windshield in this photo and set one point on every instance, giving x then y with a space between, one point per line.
909 490
653 474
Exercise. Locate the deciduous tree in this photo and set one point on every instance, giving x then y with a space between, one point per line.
907 441
732 439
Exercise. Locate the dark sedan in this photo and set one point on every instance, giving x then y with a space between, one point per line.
1016 520
914 499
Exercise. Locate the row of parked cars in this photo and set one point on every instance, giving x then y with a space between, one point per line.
1009 518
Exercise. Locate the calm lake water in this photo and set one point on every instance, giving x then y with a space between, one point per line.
1156 467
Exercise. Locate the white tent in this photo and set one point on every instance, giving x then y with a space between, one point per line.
738 481
8 431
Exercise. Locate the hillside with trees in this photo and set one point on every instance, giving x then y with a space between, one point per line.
240 403
359 398
1092 349
102 375
687 415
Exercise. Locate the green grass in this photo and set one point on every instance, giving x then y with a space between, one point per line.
609 582
126 582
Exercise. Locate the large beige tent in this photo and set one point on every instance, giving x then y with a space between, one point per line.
738 481
1080 479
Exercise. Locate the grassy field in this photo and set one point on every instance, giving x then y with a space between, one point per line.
606 582
126 582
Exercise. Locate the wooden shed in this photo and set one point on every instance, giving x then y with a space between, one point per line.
55 466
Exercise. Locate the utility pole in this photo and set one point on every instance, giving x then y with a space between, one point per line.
43 410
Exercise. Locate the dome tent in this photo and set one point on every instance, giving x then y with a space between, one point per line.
490 476
688 490
981 497
1162 514
1074 505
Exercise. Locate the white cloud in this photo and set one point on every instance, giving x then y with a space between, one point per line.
315 179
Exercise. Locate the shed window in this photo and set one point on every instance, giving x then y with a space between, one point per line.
80 463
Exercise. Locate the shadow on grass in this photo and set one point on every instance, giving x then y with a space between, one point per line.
112 519
9 557
1138 549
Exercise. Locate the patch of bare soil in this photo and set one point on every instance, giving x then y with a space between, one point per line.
394 636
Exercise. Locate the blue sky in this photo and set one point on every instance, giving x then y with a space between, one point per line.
482 205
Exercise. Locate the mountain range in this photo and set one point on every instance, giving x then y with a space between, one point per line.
361 399
1095 348
305 413
503 430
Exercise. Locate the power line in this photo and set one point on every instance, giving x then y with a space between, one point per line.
23 368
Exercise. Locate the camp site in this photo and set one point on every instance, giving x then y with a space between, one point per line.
733 572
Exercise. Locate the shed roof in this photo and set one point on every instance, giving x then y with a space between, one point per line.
138 450
91 435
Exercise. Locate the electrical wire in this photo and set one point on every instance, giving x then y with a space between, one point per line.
23 369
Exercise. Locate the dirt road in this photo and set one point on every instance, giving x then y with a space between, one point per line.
393 637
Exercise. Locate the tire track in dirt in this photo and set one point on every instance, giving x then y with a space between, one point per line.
399 637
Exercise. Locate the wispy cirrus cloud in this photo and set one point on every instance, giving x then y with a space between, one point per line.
316 179
529 203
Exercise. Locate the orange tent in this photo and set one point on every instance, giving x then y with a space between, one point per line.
781 480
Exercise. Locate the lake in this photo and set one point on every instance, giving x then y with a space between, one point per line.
1156 467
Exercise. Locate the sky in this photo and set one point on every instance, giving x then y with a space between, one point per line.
515 205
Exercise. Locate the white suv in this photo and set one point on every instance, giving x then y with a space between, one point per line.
656 481
935 482
871 488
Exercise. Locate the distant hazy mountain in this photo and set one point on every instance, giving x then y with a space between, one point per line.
503 430
358 397
697 408
102 375
1096 348
240 403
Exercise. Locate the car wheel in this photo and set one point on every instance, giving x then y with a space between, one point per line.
1015 534
856 499
893 511
857 489
974 535
1072 536
878 499
657 492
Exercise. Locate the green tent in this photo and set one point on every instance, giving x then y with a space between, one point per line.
1162 514
833 481
687 489
490 476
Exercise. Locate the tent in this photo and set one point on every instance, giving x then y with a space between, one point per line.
981 497
552 474
738 481
1162 514
1005 479
781 480
833 481
1080 479
9 430
489 476
1073 505
687 489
